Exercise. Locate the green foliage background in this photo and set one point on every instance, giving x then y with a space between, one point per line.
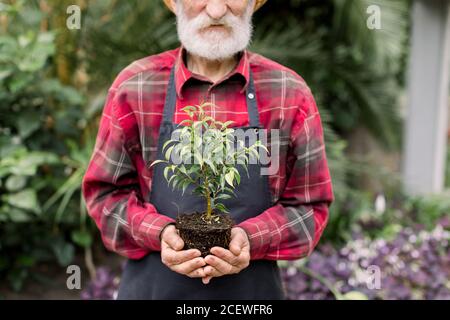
53 82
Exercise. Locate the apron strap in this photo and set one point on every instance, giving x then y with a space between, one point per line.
250 95
171 98
252 105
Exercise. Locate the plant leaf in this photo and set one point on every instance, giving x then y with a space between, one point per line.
221 207
229 177
158 161
168 152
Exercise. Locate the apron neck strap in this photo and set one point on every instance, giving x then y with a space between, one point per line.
252 105
171 98
250 95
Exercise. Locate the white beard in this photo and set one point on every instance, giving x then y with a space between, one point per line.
215 45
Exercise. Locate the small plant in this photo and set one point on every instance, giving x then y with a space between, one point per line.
203 153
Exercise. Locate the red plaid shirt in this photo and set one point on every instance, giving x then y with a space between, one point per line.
118 180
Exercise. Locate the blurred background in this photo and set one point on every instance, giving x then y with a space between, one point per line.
383 95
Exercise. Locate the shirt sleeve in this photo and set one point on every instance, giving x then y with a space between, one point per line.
291 228
128 225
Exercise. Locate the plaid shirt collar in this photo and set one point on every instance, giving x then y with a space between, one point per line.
183 74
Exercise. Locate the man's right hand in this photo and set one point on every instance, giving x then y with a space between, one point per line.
186 262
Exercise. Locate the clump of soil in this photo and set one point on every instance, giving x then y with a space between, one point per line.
199 233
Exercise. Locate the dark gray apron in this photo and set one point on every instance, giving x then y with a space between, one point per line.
149 278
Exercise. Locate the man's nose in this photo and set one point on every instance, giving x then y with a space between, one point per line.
216 9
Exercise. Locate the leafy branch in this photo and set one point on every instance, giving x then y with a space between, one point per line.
202 153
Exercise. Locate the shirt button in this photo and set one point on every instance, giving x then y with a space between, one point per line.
251 96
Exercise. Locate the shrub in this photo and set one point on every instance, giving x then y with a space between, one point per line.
39 116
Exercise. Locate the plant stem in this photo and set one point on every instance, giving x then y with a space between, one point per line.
89 261
208 206
207 196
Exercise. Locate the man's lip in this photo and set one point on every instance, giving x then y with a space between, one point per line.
215 26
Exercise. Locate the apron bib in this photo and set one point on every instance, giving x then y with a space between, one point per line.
149 278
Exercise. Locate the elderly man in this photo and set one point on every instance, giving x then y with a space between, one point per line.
279 217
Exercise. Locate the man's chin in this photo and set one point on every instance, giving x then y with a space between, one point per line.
211 49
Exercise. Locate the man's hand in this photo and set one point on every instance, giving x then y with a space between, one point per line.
186 262
223 262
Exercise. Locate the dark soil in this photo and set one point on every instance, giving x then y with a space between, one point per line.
199 233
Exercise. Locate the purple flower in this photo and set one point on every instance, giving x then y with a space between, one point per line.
414 265
103 287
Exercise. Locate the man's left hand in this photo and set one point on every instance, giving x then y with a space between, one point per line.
222 261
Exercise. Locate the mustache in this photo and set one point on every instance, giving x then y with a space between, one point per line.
204 21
